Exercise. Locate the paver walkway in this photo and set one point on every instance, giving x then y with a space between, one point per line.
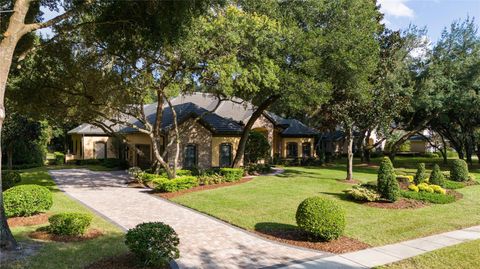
204 242
392 253
209 243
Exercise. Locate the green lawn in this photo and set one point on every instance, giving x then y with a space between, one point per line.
68 255
270 203
456 257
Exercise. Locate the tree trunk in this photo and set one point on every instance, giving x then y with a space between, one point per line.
7 241
349 140
468 152
246 130
361 146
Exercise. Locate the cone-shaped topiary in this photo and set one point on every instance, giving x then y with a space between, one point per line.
436 177
420 176
459 170
387 183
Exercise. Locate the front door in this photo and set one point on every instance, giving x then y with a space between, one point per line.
143 156
100 150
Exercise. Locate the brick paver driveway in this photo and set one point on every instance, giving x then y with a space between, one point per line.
204 242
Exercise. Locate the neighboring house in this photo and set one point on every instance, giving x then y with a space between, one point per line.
335 143
210 141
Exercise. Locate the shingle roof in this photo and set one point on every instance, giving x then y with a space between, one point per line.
227 119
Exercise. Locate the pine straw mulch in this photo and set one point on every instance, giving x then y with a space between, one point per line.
125 261
28 221
170 195
44 235
401 203
300 238
470 183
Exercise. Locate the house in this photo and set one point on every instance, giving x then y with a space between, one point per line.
334 143
206 139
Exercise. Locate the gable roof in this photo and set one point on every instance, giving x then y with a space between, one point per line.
229 118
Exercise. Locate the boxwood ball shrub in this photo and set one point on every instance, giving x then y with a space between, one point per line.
73 224
420 176
437 177
26 200
323 218
387 183
231 174
10 179
459 170
153 243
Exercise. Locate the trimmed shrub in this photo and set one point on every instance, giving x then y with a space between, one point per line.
210 179
10 179
321 217
258 168
459 170
436 177
154 243
115 163
176 184
135 172
413 187
425 187
363 193
73 224
420 176
231 174
59 158
429 197
387 182
26 200
438 189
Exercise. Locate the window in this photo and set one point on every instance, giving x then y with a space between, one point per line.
225 155
306 150
292 150
190 159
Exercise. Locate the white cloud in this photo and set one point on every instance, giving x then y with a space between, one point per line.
396 8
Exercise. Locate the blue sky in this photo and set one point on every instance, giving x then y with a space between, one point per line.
434 14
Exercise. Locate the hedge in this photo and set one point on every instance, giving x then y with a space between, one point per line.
176 184
231 174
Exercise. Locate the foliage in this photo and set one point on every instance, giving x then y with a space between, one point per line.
26 200
258 169
406 178
135 173
154 243
431 197
321 217
459 170
436 177
59 158
363 193
420 176
387 182
210 179
452 185
413 188
115 163
172 185
72 224
232 174
438 189
10 179
425 187
257 147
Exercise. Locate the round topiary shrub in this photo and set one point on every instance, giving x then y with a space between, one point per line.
321 217
459 170
26 200
420 176
437 177
387 183
10 179
154 243
73 224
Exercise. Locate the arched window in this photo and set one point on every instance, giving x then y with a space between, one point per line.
306 150
225 155
292 150
190 159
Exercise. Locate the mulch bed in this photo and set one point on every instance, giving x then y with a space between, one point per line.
170 195
42 234
470 183
28 221
124 261
300 238
399 204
